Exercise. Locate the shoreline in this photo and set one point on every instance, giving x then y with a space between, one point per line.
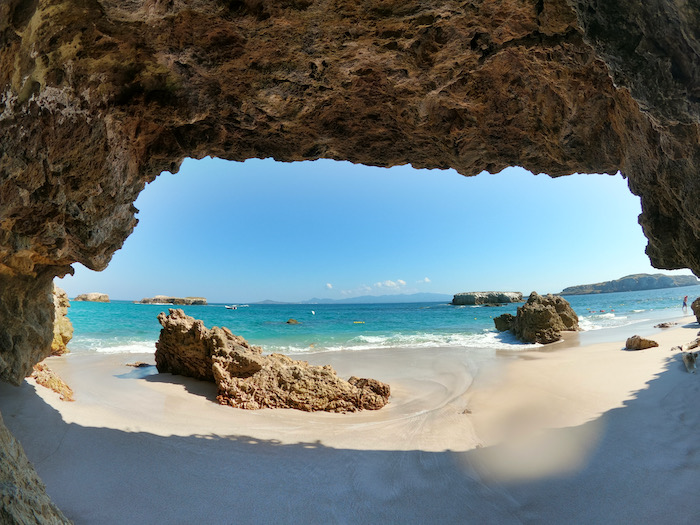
552 434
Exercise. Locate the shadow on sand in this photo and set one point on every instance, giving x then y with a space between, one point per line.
641 466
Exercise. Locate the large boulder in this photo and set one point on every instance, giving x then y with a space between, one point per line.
473 298
248 379
62 327
542 319
695 306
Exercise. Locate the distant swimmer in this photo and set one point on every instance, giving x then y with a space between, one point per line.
313 313
685 303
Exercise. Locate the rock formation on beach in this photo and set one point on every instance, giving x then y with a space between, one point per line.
639 343
62 327
540 320
248 379
180 301
94 297
473 298
629 283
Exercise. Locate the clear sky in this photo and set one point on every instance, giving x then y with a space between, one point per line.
244 232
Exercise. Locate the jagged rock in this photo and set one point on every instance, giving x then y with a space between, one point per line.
94 297
542 319
504 322
62 327
180 301
247 379
695 306
665 325
44 376
474 298
639 343
292 321
23 497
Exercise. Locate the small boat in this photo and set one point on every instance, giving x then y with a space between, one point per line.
232 307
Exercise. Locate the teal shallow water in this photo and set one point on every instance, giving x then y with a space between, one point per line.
125 327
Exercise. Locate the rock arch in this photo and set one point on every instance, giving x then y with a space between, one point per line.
99 96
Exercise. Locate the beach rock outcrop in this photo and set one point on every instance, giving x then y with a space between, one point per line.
94 297
541 319
695 307
179 301
246 378
504 322
23 497
62 327
474 298
639 343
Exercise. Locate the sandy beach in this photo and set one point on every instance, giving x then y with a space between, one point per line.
562 434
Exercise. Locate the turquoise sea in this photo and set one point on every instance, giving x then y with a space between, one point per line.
125 327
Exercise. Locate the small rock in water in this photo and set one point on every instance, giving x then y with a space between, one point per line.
292 321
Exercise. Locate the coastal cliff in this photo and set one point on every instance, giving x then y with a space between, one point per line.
631 283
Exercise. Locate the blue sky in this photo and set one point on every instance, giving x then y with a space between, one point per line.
244 232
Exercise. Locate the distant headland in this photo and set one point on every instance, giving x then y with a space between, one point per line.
165 299
632 283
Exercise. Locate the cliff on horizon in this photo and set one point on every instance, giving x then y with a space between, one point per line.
631 283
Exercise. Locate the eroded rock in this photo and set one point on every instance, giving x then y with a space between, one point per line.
247 379
639 343
542 319
23 497
62 327
695 307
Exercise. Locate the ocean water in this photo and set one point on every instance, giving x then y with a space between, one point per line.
125 327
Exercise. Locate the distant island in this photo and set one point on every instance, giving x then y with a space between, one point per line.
94 297
475 298
631 283
165 299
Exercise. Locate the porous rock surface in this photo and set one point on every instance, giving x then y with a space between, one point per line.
474 298
540 320
94 297
62 327
23 498
247 379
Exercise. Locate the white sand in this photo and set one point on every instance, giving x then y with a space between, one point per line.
588 434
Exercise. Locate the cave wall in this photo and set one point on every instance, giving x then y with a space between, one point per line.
99 96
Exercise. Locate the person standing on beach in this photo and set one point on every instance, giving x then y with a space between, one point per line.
685 303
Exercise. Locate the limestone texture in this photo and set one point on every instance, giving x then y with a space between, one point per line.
44 376
23 498
541 319
247 379
98 97
639 343
62 327
474 298
95 297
